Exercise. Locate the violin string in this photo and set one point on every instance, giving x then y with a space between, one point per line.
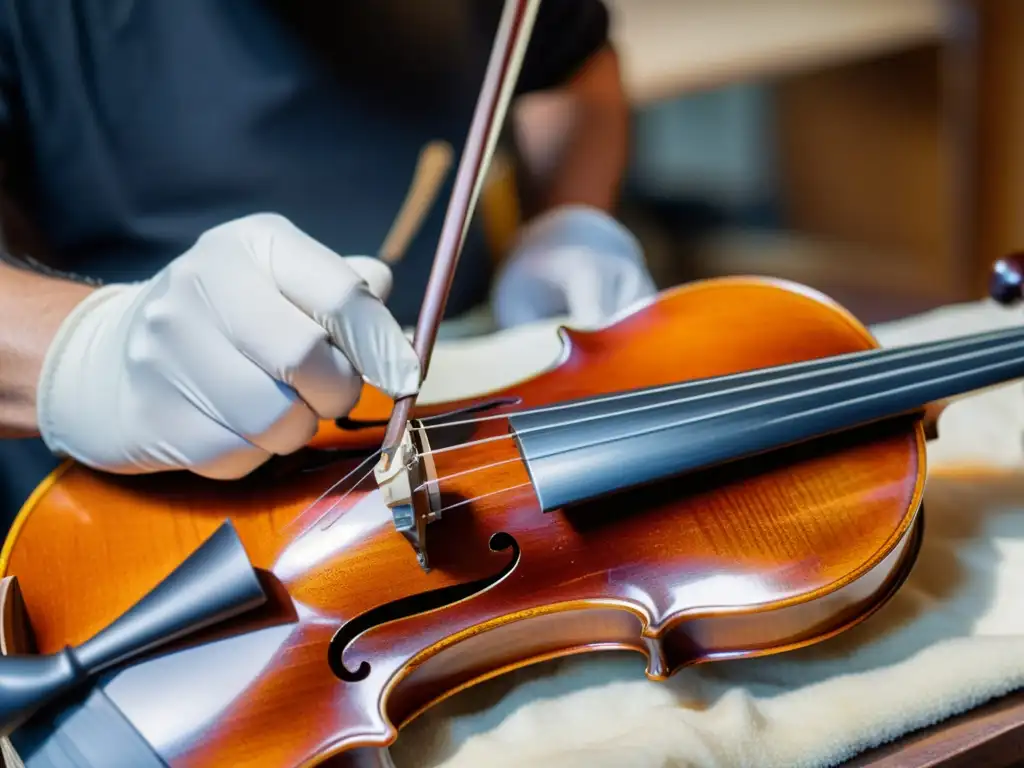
471 470
341 498
712 415
474 443
477 498
788 372
755 405
367 474
337 501
1011 340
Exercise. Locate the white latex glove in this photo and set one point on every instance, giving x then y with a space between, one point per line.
227 356
573 261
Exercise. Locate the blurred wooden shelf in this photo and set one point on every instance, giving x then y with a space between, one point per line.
811 259
670 47
875 284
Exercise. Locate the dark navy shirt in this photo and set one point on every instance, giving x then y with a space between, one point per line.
128 127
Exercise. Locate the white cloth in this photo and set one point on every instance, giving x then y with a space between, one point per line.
950 639
572 261
229 355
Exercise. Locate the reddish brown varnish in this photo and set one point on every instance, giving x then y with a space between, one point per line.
749 559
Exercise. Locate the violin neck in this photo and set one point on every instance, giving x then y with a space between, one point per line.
588 448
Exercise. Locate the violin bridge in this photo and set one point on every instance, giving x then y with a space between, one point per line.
407 478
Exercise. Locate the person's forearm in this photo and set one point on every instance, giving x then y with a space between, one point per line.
32 308
574 142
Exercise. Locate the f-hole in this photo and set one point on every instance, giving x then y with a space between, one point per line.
411 606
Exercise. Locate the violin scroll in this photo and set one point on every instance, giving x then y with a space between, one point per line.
1006 285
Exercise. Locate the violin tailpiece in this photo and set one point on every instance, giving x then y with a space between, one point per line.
215 583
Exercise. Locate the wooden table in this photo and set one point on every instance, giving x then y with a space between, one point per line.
670 47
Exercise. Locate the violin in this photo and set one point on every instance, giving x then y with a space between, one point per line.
732 469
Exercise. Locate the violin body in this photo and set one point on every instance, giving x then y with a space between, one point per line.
754 557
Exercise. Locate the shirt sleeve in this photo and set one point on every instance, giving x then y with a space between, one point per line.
8 76
566 34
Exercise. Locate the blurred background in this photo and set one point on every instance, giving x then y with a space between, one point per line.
868 148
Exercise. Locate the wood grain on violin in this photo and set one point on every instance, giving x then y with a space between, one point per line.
752 557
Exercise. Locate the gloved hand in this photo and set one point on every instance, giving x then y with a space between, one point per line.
227 356
576 261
